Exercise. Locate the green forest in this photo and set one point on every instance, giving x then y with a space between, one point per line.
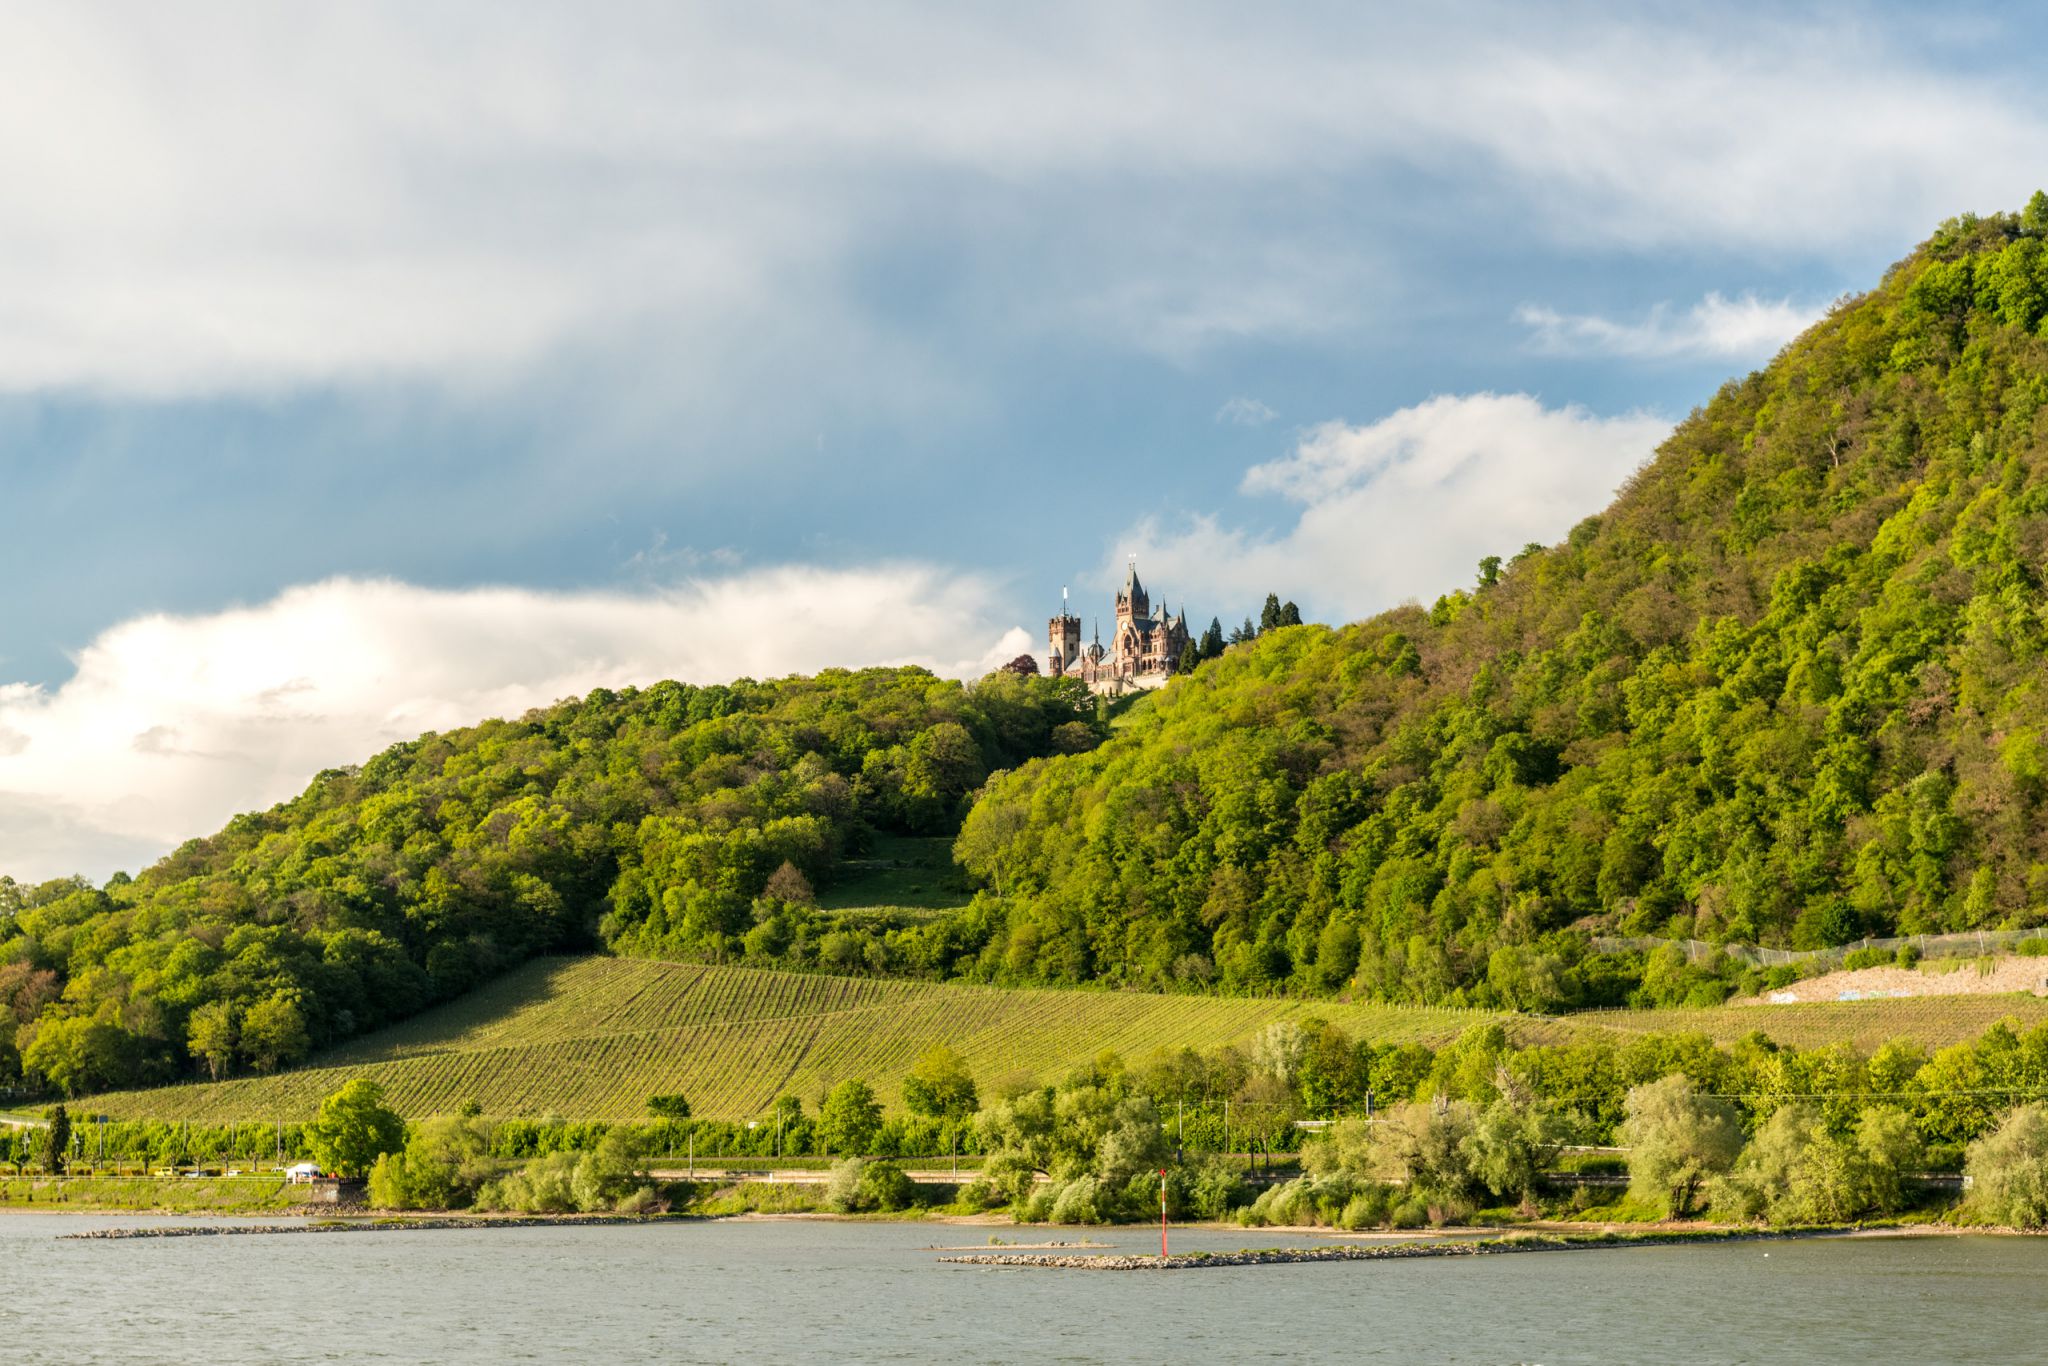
671 821
1785 690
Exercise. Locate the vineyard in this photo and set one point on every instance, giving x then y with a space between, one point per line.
594 1037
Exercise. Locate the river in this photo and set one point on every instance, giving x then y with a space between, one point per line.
786 1291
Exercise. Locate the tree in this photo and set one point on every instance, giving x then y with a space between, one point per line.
57 1141
1190 658
210 1036
1511 1144
1677 1140
1023 665
2008 1169
669 1107
850 1118
79 1054
787 884
1212 640
354 1129
939 1085
274 1031
1290 615
1424 1147
1269 614
1795 1171
443 1163
1489 571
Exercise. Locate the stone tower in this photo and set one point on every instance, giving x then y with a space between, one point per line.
1063 634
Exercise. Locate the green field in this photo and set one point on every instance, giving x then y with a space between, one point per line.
903 874
594 1037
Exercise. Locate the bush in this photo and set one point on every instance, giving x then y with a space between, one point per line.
606 1178
2008 1170
1076 1203
1908 956
1211 1188
860 1185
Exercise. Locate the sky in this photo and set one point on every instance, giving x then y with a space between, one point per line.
377 368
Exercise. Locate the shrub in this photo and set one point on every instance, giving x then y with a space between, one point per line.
1076 1203
860 1185
2008 1169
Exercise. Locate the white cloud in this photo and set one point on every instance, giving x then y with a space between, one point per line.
1403 507
1715 328
223 196
171 724
1245 412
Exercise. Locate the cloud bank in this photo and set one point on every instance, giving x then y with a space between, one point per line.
1403 507
171 724
224 197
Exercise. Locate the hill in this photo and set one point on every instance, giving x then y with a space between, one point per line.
672 820
1786 690
594 1037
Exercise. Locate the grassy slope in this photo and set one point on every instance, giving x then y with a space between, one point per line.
594 1037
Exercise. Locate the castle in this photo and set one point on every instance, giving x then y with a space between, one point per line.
1143 649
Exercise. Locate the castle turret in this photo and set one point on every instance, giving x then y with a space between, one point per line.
1063 634
1132 603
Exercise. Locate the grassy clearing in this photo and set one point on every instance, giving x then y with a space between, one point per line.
594 1037
901 873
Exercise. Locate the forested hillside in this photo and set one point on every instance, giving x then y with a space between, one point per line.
671 821
1788 689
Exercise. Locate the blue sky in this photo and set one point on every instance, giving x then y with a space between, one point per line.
402 365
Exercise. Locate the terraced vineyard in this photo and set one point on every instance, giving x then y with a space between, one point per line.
594 1037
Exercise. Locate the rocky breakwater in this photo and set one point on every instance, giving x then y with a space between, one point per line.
1384 1252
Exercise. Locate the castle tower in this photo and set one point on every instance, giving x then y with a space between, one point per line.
1063 634
1132 601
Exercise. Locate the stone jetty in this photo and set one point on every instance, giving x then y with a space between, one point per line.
1279 1256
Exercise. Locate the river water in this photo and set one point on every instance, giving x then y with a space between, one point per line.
788 1291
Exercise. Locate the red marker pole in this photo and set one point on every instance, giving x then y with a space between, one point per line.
1162 1214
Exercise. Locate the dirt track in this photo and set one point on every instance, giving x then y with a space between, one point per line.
1966 978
